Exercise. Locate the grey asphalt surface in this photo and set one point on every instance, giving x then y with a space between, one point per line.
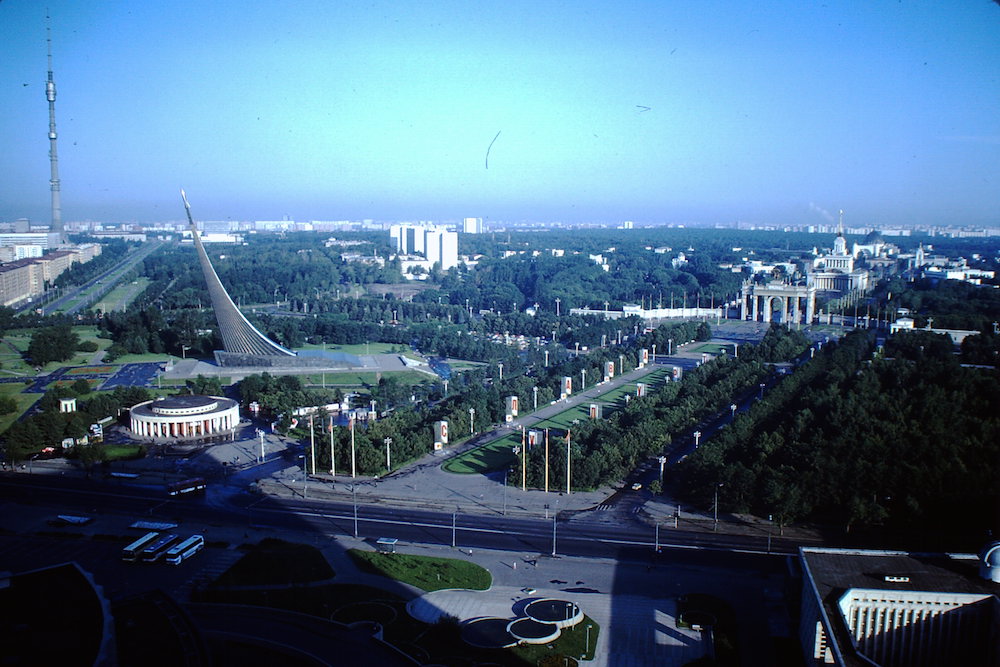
633 604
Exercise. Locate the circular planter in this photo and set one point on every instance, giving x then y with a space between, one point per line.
365 611
530 631
488 633
561 613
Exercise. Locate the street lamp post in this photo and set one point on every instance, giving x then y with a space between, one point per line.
586 650
716 525
697 437
662 460
583 378
388 460
553 534
501 371
354 495
453 528
546 358
761 397
333 453
472 421
506 474
558 301
732 408
534 392
568 476
312 445
670 344
354 469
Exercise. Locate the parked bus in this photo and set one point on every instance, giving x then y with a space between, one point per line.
189 547
192 485
130 554
155 550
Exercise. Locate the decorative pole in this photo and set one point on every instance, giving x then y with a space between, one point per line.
567 465
312 444
333 458
354 470
524 463
546 460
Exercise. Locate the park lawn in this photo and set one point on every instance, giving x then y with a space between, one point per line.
459 365
123 452
71 382
572 642
143 358
714 348
495 455
429 573
122 295
273 561
617 396
364 379
657 378
15 366
103 369
24 401
565 419
19 338
359 349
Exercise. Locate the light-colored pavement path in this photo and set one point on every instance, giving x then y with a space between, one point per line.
642 629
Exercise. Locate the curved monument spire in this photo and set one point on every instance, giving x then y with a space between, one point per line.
238 335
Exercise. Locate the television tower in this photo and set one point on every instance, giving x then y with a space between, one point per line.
50 95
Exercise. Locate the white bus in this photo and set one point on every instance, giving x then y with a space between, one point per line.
154 551
189 547
130 554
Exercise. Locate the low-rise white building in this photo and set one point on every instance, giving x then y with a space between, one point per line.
184 417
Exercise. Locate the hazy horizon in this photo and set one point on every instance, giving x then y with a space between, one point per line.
771 113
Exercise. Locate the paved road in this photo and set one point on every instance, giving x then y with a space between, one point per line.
107 281
632 599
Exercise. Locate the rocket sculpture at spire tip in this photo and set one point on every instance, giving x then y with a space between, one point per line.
184 197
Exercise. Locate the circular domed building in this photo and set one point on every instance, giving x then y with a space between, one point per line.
184 417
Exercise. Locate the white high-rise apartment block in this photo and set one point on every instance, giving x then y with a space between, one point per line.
449 250
441 246
472 225
438 245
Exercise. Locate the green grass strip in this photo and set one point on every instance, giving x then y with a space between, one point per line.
428 573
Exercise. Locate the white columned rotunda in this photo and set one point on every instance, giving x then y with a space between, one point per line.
183 417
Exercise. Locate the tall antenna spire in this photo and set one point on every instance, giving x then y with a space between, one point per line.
50 95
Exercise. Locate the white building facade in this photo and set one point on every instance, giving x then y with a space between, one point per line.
184 417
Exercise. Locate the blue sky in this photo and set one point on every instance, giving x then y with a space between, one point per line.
658 112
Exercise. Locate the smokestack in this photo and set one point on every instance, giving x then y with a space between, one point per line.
50 95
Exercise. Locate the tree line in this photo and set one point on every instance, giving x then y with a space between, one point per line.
859 438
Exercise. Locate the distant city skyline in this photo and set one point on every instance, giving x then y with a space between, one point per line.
707 113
